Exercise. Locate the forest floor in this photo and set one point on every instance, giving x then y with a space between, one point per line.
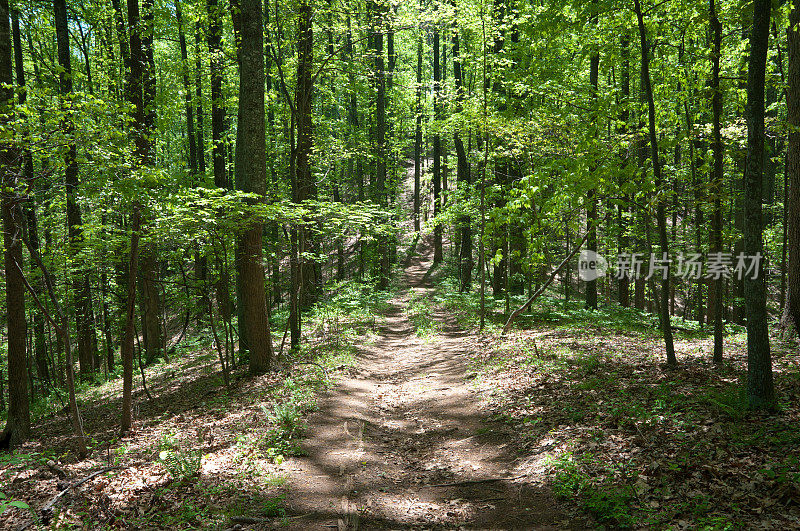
404 441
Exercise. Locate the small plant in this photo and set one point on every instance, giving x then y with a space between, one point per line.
607 502
6 503
182 463
283 438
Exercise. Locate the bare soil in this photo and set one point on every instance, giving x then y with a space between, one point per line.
403 442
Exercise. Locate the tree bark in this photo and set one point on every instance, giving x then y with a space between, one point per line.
792 308
591 196
463 176
625 86
187 93
214 38
18 424
31 221
251 174
305 186
377 9
717 173
437 150
760 388
126 348
418 135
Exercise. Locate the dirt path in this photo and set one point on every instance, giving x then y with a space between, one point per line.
389 442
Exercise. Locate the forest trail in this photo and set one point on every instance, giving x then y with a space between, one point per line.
402 442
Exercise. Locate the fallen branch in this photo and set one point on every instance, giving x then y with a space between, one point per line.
549 281
46 512
473 482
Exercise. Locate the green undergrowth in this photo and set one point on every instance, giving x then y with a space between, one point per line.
634 443
419 311
552 310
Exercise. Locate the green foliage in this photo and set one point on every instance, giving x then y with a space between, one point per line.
7 503
609 503
181 462
420 310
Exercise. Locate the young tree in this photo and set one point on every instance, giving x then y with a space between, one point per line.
418 134
717 172
437 149
661 219
591 199
760 389
80 279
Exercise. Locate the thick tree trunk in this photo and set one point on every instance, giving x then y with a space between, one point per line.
39 340
377 10
760 389
305 185
251 174
18 424
149 269
666 326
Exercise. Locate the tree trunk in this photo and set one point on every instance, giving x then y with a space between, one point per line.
39 341
187 93
462 170
717 175
625 86
792 308
126 348
305 185
591 197
377 10
760 390
214 38
17 427
198 87
418 135
666 326
251 174
437 150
